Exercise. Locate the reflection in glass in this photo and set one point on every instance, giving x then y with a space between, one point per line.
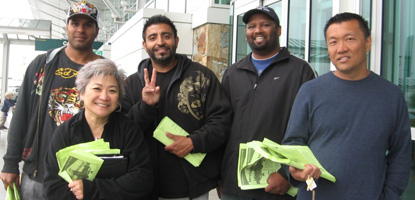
296 27
367 15
223 2
398 60
321 11
242 47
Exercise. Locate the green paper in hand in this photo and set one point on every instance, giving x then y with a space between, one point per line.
168 125
293 155
13 194
254 169
79 161
80 165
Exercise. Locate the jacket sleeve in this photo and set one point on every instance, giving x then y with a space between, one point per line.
217 118
22 117
132 105
398 156
136 183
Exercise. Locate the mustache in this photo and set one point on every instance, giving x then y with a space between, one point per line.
161 46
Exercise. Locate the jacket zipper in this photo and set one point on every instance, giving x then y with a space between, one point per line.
38 125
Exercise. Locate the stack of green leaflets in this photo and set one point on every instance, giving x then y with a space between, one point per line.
254 169
168 125
257 160
80 161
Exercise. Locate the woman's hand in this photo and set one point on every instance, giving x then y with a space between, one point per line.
77 189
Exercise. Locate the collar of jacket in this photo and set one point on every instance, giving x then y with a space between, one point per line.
182 63
248 65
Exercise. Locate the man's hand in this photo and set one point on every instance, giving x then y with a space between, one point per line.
77 188
151 92
8 180
219 189
181 146
277 184
303 174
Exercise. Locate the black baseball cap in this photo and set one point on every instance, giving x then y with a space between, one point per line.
264 10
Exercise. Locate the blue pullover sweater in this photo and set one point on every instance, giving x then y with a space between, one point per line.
360 133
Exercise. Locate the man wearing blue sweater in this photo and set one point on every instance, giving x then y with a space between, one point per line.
355 122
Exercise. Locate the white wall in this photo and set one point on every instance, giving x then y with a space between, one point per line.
126 45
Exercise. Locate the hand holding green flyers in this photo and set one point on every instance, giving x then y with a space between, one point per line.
258 160
80 161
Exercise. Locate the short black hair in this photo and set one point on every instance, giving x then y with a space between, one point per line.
346 16
159 19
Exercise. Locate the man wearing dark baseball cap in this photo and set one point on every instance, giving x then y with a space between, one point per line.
262 88
264 10
47 98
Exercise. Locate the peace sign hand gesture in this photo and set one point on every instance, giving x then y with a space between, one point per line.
151 92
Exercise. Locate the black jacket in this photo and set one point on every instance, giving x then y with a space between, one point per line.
262 106
121 133
24 133
206 116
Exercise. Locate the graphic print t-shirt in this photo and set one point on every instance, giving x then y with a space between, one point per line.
63 101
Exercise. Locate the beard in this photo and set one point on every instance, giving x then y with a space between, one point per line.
261 47
162 58
265 47
268 46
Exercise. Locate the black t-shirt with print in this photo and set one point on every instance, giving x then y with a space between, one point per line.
63 101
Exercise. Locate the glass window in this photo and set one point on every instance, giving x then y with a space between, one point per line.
367 11
43 24
321 11
398 59
296 27
242 47
231 16
277 8
367 15
223 2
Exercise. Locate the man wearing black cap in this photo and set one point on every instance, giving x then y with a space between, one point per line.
47 98
262 88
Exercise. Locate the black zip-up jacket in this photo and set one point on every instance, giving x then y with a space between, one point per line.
205 115
23 137
262 106
121 133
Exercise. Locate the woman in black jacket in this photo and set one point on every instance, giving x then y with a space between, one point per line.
100 85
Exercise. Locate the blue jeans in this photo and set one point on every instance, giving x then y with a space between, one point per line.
30 189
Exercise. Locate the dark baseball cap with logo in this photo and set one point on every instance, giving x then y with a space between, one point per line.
264 10
83 8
